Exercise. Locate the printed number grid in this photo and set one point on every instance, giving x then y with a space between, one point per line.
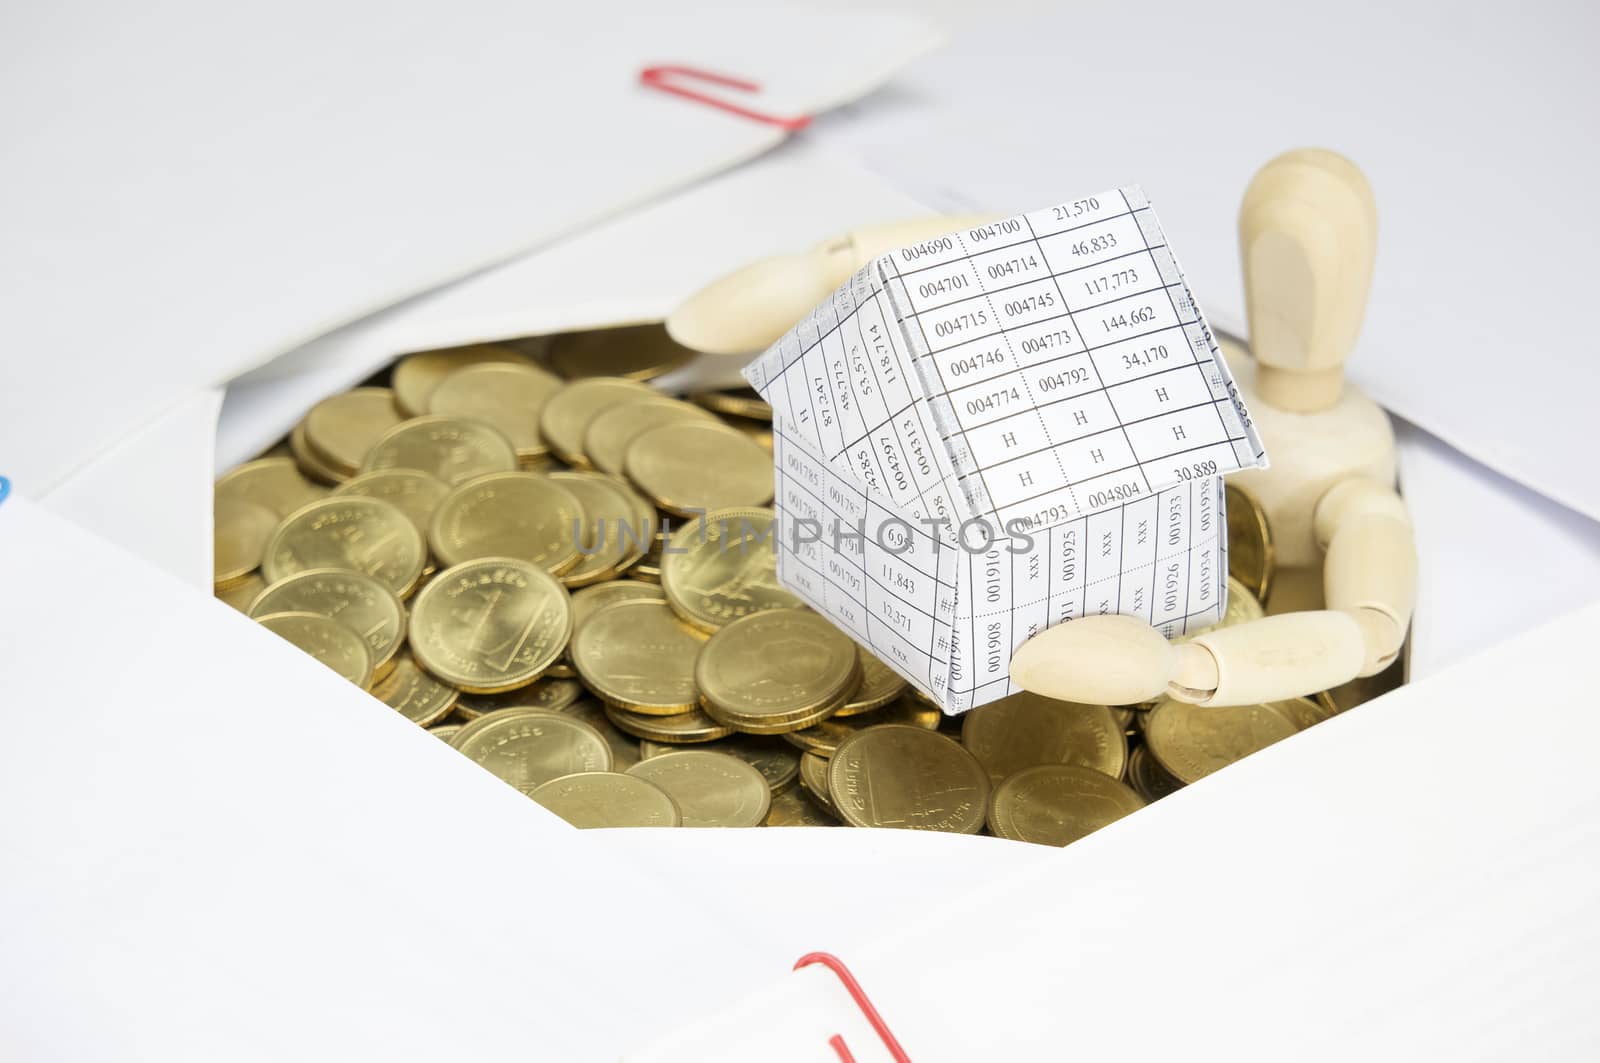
948 618
1033 370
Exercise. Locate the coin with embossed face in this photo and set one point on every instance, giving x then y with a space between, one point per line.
327 640
360 534
1025 729
1056 804
567 415
1191 742
490 625
416 494
529 747
711 789
415 694
342 428
607 799
506 395
416 375
827 736
776 760
606 440
525 515
778 671
908 777
723 567
355 599
275 483
691 467
624 747
610 536
451 449
637 655
1249 542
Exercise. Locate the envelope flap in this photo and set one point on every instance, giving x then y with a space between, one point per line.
179 207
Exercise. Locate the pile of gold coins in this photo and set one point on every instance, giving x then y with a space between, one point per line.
570 577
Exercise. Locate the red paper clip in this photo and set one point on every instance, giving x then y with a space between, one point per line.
659 77
859 995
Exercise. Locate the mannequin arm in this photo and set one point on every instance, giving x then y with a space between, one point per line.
1370 579
751 308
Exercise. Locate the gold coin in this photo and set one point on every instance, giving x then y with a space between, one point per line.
567 414
591 599
1302 712
414 694
508 514
826 737
793 808
776 760
685 728
1025 729
1148 778
416 375
354 599
529 747
1191 742
309 462
624 748
355 533
1249 542
880 685
908 777
490 625
814 780
240 594
1347 696
691 467
451 449
506 395
329 641
240 532
611 537
637 352
607 799
446 731
552 695
342 428
723 567
711 789
1056 804
758 432
648 567
606 440
738 402
777 671
637 655
276 483
416 494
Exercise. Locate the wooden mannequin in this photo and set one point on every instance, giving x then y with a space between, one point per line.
1307 236
751 308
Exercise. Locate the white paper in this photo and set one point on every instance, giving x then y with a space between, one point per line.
1418 878
1023 423
191 189
216 848
1452 110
